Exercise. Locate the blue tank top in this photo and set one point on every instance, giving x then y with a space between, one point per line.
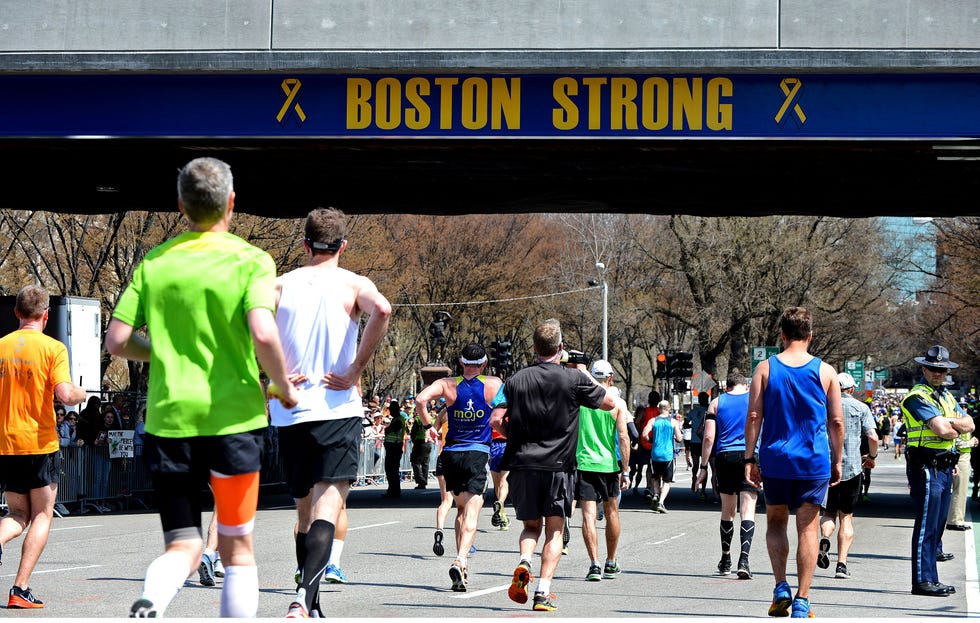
730 422
663 440
469 418
794 423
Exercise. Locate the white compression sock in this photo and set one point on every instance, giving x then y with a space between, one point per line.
240 593
164 577
335 550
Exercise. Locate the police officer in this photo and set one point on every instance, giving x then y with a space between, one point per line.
933 420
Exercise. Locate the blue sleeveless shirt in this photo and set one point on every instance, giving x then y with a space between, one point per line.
794 444
663 440
469 418
730 422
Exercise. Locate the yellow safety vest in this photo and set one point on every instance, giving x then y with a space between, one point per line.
918 433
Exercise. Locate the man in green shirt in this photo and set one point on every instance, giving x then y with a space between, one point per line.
206 298
602 457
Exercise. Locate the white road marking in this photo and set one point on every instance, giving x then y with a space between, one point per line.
11 575
486 591
374 525
676 536
972 588
75 527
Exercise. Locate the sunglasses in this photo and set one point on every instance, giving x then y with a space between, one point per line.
934 369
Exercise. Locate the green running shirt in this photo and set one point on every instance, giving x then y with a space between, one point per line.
193 293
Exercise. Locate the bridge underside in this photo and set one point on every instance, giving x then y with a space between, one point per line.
286 178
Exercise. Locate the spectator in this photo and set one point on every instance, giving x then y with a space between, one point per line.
90 421
71 425
100 460
64 432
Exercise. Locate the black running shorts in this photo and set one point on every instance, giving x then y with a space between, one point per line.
597 486
730 468
468 470
181 467
20 473
537 493
844 497
321 451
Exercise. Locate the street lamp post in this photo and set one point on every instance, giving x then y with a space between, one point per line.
605 308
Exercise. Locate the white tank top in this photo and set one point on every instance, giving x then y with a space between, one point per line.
318 336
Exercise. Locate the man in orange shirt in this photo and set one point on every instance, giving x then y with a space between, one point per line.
33 372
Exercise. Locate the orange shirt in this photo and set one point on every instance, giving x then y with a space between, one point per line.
31 365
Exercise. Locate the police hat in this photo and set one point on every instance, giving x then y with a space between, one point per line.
937 357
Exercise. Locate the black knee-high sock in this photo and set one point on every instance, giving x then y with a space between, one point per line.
318 544
747 530
300 550
727 532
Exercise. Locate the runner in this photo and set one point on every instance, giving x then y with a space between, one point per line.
206 298
466 453
318 312
33 372
538 412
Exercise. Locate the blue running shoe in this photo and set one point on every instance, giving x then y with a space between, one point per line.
801 609
472 550
782 600
334 575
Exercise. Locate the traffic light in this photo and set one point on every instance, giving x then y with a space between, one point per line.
683 365
504 356
661 366
494 349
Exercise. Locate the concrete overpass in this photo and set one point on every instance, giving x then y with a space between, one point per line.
856 108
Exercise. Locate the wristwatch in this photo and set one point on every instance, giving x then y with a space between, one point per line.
750 460
872 456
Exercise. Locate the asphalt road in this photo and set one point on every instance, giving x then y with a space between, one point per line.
93 564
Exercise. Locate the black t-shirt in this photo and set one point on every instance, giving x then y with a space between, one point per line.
542 416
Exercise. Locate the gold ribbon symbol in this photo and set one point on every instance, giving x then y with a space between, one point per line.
791 88
291 86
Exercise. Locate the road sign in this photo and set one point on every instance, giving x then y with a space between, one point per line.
856 369
881 374
761 353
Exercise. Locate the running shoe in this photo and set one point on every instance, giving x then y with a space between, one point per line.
459 576
600 514
297 611
472 550
219 569
206 571
334 575
823 560
662 509
594 574
744 573
298 576
782 600
437 547
544 602
23 598
841 572
725 564
518 586
566 536
801 609
143 609
655 504
504 521
495 519
611 570
564 550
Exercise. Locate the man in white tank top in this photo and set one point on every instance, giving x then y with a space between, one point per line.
318 311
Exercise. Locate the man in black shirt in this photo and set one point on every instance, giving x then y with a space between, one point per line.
537 409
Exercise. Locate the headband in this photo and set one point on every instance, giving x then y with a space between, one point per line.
473 362
330 247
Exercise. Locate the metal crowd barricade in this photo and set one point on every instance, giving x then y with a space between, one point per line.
91 481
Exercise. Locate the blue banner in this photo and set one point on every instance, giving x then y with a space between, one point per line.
640 106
